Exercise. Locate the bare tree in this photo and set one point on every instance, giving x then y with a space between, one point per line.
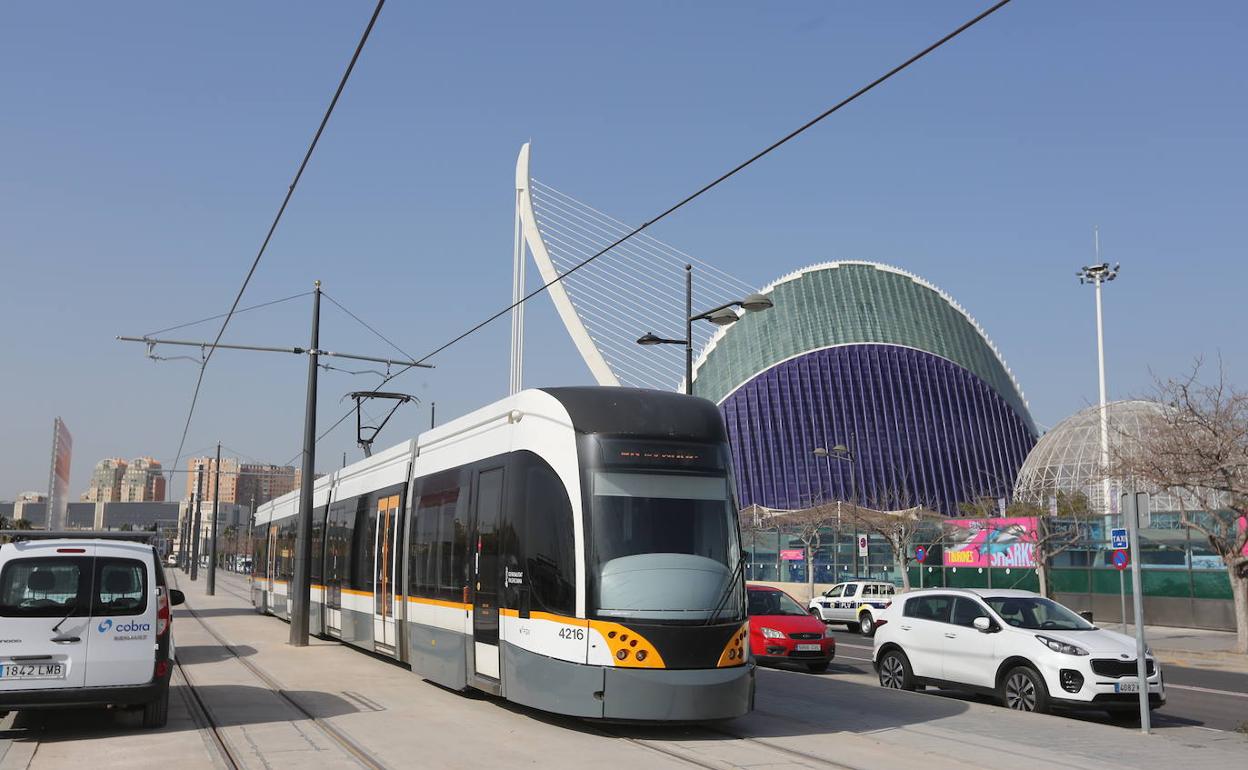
1196 448
901 529
807 525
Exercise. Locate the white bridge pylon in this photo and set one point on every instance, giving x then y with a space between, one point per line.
634 288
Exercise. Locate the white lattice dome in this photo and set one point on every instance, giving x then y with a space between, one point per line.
1067 459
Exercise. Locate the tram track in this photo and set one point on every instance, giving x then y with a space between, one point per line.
218 739
691 757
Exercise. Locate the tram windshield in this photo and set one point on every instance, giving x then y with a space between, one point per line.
665 544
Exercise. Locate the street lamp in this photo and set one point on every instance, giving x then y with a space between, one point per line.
844 453
1098 275
723 315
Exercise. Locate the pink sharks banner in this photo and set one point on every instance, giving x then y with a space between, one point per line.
1005 542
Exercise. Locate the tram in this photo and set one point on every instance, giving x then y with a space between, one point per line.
574 549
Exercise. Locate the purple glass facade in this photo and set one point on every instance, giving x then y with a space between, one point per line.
923 430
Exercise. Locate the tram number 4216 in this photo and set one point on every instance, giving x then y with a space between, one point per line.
577 634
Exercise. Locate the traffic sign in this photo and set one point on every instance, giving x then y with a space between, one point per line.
862 545
1121 559
1119 538
920 554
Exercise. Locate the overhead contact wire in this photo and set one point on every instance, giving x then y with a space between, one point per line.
290 191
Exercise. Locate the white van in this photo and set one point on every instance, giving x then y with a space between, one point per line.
85 622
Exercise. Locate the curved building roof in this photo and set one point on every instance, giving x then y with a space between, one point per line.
1067 459
852 302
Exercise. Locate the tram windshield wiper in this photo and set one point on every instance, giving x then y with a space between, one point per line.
727 592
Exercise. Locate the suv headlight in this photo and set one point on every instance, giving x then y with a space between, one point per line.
771 633
1062 647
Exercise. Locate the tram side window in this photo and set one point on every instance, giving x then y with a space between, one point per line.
338 542
286 549
318 544
549 556
260 549
363 536
438 543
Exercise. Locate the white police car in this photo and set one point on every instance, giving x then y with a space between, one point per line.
85 622
856 603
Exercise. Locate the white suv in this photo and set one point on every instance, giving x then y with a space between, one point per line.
856 604
85 622
1030 652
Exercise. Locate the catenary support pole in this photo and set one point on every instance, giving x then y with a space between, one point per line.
301 586
216 512
199 487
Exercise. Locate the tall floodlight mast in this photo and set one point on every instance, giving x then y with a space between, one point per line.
1096 275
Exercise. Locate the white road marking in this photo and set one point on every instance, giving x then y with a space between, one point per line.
1206 689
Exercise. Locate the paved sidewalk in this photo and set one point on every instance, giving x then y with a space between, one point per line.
1193 647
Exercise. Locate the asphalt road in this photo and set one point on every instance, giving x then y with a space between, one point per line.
1204 698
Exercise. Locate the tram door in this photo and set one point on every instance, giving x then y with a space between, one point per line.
485 568
385 566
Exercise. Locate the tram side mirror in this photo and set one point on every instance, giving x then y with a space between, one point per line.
176 597
1086 615
982 624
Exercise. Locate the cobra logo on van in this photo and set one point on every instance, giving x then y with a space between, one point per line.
124 628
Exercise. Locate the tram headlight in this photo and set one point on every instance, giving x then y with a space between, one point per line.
771 633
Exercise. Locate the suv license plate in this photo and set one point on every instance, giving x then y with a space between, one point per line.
32 671
1130 686
807 648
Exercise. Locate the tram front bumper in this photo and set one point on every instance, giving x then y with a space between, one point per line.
678 695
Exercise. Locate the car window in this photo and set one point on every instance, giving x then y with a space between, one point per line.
773 603
49 587
835 591
1037 613
929 608
965 611
870 590
851 589
889 590
121 587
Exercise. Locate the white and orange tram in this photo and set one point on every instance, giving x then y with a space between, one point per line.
571 549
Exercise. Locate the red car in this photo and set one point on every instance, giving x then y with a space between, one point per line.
781 630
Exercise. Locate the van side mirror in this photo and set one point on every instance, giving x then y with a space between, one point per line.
982 624
176 597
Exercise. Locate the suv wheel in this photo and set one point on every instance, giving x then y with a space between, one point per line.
866 624
1023 690
895 671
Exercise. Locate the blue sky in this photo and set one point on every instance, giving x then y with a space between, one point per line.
144 148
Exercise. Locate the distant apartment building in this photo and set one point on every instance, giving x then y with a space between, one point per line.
32 497
143 482
106 481
241 483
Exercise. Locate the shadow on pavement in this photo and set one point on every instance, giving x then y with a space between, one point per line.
190 654
230 705
218 612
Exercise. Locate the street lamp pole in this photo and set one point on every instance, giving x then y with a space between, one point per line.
720 316
1097 275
